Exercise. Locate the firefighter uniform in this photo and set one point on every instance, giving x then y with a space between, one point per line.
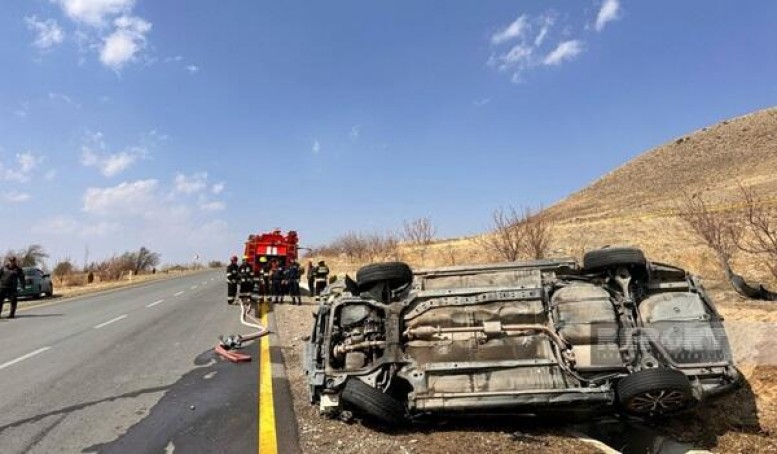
233 276
246 277
321 277
292 280
277 277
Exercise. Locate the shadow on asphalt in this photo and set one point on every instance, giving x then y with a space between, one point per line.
38 315
212 408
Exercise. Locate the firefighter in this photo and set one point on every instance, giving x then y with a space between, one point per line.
264 279
321 277
292 281
233 275
11 279
310 271
277 277
246 277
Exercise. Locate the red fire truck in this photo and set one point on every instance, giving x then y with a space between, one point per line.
266 247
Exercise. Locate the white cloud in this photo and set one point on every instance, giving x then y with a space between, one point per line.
515 30
68 226
25 163
566 50
50 175
191 184
217 188
48 33
23 110
609 12
355 133
547 21
316 147
192 69
94 12
529 36
128 198
212 206
110 164
15 196
481 102
61 97
127 40
28 161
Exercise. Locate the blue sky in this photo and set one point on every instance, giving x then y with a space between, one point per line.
186 125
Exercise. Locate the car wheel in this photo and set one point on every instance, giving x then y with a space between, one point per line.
602 259
396 274
655 392
372 402
50 293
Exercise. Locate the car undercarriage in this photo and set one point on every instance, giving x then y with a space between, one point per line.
618 333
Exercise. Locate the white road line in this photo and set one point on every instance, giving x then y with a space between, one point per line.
120 317
193 287
155 303
23 357
178 294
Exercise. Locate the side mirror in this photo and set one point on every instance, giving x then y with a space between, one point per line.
46 275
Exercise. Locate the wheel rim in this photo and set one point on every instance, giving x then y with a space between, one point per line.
660 401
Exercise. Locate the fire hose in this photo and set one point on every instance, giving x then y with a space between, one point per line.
228 344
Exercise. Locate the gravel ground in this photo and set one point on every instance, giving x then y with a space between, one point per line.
321 435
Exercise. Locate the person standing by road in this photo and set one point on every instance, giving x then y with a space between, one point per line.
246 276
311 273
277 276
233 275
322 277
11 279
292 280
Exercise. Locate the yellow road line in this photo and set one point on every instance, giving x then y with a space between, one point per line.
268 443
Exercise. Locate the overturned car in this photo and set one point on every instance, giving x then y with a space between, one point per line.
617 334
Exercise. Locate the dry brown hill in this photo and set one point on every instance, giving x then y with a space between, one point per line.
635 203
713 159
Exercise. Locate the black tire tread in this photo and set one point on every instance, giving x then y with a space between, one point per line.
611 257
380 406
652 380
396 274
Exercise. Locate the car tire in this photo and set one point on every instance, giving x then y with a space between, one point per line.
50 293
396 274
602 259
654 392
372 402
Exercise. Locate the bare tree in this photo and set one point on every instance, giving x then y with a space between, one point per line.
507 235
718 230
63 269
32 255
761 229
353 245
419 233
538 233
381 246
144 260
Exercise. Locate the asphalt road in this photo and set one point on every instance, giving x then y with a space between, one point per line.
131 370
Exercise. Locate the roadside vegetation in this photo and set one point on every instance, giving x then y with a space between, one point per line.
126 266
